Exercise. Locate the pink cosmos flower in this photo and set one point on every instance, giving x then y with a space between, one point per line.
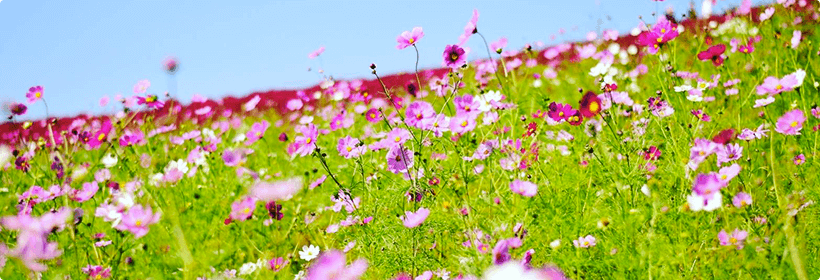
745 7
316 53
399 160
796 35
462 123
350 147
277 264
32 237
132 137
742 199
408 38
396 137
466 104
373 115
306 142
729 153
560 112
420 114
232 157
524 188
663 32
470 29
277 191
137 219
142 86
736 239
706 184
454 56
412 220
151 101
97 272
34 93
18 109
585 241
728 173
100 135
498 46
317 182
87 192
257 131
766 14
440 125
713 53
773 86
799 159
791 122
243 209
331 265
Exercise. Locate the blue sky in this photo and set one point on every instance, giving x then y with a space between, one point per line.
81 51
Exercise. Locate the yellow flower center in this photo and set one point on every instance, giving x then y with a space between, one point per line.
98 277
418 116
151 98
138 223
660 39
454 57
397 139
101 137
277 266
464 124
258 134
561 114
365 94
723 177
586 243
778 87
733 240
593 107
701 153
663 30
372 115
411 41
247 210
793 124
349 149
308 140
467 108
38 94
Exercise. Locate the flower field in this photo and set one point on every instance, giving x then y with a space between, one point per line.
686 148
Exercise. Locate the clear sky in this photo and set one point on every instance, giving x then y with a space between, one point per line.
81 51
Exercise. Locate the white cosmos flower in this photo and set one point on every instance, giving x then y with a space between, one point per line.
109 160
309 252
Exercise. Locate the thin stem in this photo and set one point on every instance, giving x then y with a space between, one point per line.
490 55
417 68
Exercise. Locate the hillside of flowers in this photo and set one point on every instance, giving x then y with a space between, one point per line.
684 149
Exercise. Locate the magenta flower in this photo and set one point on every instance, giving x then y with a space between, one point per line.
17 108
306 143
373 115
713 53
151 101
799 159
420 115
791 122
243 209
466 104
100 135
132 137
742 199
34 93
316 53
142 86
773 85
585 241
277 264
408 38
332 266
736 239
707 184
559 112
137 219
524 188
257 131
97 272
663 31
412 220
350 147
277 191
399 160
454 56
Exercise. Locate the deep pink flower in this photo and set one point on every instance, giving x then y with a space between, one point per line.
277 264
713 53
590 105
707 184
454 56
137 219
151 101
131 137
524 188
470 29
560 112
243 209
791 122
799 159
736 239
101 135
34 93
17 108
373 115
412 220
331 265
663 32
408 38
97 272
170 64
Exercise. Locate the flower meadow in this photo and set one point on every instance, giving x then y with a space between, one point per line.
686 148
